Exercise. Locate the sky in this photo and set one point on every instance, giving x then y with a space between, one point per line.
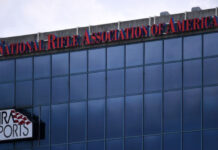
20 17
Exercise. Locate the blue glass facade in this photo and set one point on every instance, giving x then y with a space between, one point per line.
153 95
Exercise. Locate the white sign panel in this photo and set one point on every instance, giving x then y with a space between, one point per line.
14 125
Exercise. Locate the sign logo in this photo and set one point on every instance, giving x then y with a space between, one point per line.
14 125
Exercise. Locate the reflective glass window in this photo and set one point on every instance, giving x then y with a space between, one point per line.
45 124
7 72
59 147
42 92
133 143
153 78
96 145
153 52
152 113
134 78
172 49
60 64
96 59
152 142
133 115
24 68
96 85
192 141
7 95
59 123
172 141
115 57
24 94
114 144
77 129
78 87
172 111
78 61
134 54
210 139
77 146
210 71
192 47
60 90
96 116
42 66
115 116
115 83
172 76
210 44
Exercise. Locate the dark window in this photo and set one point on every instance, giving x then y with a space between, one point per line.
173 49
78 87
210 71
172 141
115 144
153 78
60 90
192 141
24 68
78 62
115 115
172 111
173 76
152 142
134 78
192 47
152 113
24 94
42 66
133 143
115 57
97 59
45 122
96 116
7 70
133 117
210 44
59 147
59 123
192 109
42 92
77 129
77 146
96 145
96 85
115 83
7 95
210 107
153 52
60 63
192 73
210 140
134 54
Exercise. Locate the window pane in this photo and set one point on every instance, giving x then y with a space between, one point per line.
7 95
173 76
172 111
134 78
77 121
134 54
192 109
210 44
115 116
152 142
45 121
24 94
96 85
7 70
115 83
77 146
153 78
97 59
192 141
59 147
115 57
192 47
115 145
172 142
59 128
210 140
192 73
210 107
153 52
133 117
97 145
42 66
173 49
96 112
152 113
59 90
133 143
24 68
42 92
210 71
78 87
60 64
78 62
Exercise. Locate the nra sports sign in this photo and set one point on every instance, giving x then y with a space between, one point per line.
14 126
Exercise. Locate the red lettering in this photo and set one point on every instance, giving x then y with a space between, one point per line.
196 24
51 41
